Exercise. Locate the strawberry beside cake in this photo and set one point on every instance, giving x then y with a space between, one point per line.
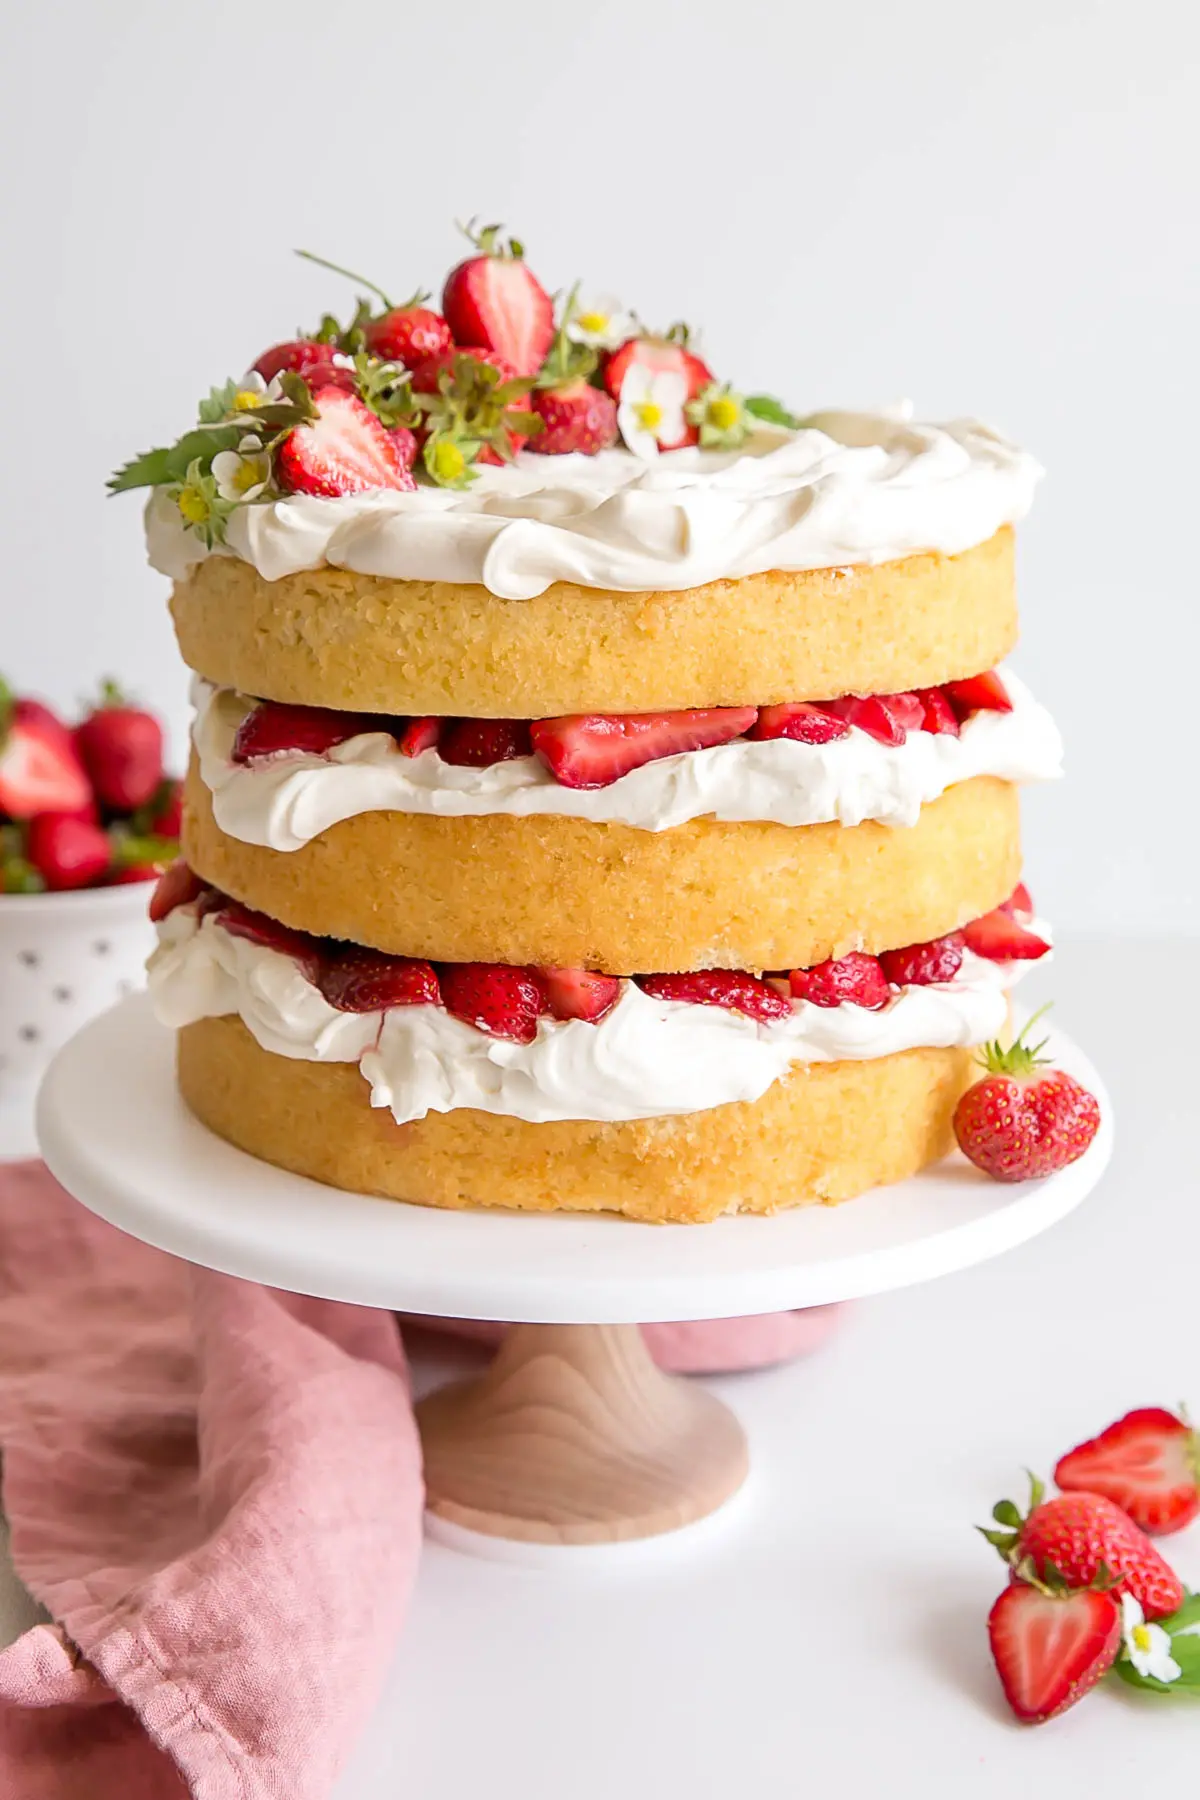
604 785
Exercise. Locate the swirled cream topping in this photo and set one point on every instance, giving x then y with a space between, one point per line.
648 1058
284 801
848 488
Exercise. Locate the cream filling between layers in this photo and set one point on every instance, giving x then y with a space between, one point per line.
283 802
849 488
647 1059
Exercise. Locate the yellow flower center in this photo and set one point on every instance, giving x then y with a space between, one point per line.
649 415
248 475
1141 1637
723 412
193 505
448 461
593 321
246 400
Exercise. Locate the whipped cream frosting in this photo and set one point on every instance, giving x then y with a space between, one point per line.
649 1058
284 801
848 488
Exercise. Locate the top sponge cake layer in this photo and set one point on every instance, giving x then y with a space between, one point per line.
332 638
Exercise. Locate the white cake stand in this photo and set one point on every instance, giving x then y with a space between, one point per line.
572 1436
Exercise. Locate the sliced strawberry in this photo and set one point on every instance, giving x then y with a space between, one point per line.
855 979
1049 1648
1148 1464
407 335
344 451
66 851
886 717
177 886
800 720
979 693
273 728
40 770
1000 938
730 988
920 964
939 717
1019 903
578 993
494 300
419 734
260 928
298 354
658 355
357 979
575 417
592 750
478 743
498 998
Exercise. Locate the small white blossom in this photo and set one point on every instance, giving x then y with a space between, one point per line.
601 323
650 410
242 474
253 391
1148 1647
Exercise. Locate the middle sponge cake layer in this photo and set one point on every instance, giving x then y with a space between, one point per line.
567 891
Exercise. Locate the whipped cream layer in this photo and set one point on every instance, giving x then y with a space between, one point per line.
848 488
647 1059
283 802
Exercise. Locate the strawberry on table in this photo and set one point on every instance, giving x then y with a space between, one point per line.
498 998
478 743
345 450
40 770
272 728
592 750
1024 1119
1147 1463
121 747
67 851
1081 1538
357 979
1000 937
494 300
1050 1646
578 993
801 721
920 964
855 979
733 989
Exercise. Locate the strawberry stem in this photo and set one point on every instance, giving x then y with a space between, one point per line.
323 262
1017 1058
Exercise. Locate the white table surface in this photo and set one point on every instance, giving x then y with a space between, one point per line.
831 1636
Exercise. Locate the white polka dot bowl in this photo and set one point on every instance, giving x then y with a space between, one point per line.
63 959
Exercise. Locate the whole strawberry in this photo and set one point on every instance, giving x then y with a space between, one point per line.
1024 1119
1083 1539
575 417
121 748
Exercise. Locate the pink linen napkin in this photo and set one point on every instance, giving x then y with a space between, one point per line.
214 1488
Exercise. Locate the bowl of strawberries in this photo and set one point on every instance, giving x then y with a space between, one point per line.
88 816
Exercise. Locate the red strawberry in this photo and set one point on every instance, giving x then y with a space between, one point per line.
425 375
939 716
1081 1538
856 979
344 451
419 734
800 720
1019 902
575 416
592 750
122 750
272 728
166 818
40 770
408 334
468 411
578 993
1148 1464
177 886
330 374
1024 1119
887 717
478 743
495 997
495 301
920 964
978 693
67 852
657 355
1051 1647
357 979
730 988
128 873
1000 938
298 354
260 928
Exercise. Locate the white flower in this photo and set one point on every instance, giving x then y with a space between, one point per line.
253 391
1148 1647
242 474
603 323
650 412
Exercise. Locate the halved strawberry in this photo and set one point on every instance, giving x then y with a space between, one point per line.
298 354
478 743
886 717
408 334
494 300
357 979
799 720
40 770
177 886
578 993
260 928
344 451
274 727
656 354
733 989
1000 938
979 693
498 998
855 979
920 964
419 734
592 750
67 852
1019 903
575 417
1147 1463
939 716
1050 1648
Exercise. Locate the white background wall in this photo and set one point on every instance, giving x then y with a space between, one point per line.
991 208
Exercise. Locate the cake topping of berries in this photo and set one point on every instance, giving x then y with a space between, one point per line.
1024 1119
345 449
494 300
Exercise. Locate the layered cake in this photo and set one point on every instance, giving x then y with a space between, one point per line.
604 790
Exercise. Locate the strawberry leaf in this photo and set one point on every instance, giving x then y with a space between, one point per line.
219 402
1184 1616
772 412
150 469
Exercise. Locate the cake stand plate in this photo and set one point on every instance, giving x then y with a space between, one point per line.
573 1435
